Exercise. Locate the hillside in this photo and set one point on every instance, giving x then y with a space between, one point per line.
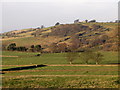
102 36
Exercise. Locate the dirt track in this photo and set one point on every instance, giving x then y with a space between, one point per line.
25 76
86 65
68 65
58 70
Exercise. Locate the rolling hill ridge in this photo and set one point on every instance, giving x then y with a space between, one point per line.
103 36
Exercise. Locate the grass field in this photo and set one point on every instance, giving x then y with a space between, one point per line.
61 82
58 73
51 58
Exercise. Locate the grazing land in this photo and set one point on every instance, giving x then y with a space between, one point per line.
58 73
44 58
29 58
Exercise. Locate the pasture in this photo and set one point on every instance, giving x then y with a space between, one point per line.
57 72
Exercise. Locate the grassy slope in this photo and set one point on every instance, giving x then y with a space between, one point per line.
27 39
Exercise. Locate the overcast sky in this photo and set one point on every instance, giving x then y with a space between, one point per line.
21 14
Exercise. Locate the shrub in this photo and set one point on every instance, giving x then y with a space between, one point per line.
76 21
32 46
21 48
38 55
92 21
57 23
11 47
38 48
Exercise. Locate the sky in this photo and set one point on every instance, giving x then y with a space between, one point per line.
22 14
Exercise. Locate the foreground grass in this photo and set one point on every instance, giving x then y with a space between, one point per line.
90 76
66 70
85 72
68 67
62 82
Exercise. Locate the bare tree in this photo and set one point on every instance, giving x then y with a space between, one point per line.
87 56
98 57
71 56
91 55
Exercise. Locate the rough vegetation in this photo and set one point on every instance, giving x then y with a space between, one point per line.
63 37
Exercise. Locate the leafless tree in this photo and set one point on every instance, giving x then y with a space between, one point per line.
98 57
71 56
87 56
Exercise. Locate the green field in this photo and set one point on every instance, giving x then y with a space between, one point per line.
51 58
62 82
93 76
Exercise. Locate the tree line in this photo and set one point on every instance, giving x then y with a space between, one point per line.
86 56
71 54
33 48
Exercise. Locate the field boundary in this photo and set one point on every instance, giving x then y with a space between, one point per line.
24 76
86 65
67 65
58 70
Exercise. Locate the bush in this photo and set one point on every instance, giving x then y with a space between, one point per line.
21 48
32 46
11 47
57 23
38 55
38 48
92 21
